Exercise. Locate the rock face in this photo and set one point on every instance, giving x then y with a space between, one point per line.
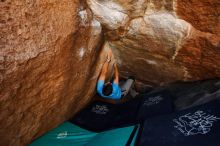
49 64
162 41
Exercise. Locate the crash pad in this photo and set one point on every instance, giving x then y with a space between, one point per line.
68 134
197 126
100 115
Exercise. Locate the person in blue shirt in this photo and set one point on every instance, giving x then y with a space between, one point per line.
112 90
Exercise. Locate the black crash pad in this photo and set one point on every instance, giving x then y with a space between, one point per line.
198 126
100 116
154 104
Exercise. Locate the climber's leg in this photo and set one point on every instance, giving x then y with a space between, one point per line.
126 86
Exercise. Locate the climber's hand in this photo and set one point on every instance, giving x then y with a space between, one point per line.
115 64
109 55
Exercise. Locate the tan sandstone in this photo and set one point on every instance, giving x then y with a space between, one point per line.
49 64
164 40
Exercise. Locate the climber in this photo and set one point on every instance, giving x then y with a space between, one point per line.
112 90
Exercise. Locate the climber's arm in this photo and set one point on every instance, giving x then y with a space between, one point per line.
104 70
116 80
105 66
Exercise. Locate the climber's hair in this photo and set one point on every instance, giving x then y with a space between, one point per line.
107 89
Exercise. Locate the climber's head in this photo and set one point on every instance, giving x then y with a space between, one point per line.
107 89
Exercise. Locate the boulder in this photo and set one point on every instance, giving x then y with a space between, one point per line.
160 42
49 64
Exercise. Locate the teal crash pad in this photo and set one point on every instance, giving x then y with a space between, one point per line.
68 134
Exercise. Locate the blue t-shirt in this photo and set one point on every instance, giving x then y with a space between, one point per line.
116 91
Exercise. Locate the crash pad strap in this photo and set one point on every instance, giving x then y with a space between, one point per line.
132 136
